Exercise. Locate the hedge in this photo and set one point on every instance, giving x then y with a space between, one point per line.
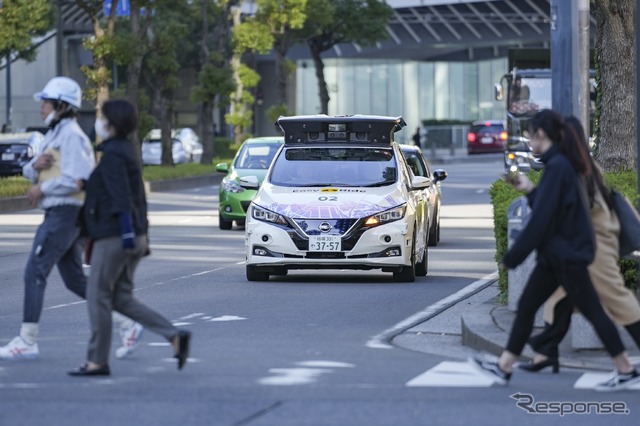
503 194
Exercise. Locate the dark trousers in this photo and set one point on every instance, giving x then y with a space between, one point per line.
575 279
547 341
56 243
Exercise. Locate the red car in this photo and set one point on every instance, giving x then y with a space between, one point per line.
486 136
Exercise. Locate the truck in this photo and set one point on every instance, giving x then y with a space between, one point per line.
525 90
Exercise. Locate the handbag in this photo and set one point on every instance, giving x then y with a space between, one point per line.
629 224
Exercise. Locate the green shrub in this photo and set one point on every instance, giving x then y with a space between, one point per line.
14 186
503 194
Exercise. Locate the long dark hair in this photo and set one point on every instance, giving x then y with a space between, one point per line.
576 136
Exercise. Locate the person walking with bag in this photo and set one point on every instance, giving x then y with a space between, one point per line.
114 218
618 301
560 230
65 156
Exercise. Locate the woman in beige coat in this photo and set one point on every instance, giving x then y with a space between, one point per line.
619 302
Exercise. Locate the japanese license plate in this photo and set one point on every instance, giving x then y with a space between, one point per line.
8 156
325 243
486 139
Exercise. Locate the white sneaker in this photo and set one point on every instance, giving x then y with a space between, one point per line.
130 337
619 381
18 349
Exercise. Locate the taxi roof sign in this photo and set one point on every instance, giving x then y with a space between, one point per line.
340 128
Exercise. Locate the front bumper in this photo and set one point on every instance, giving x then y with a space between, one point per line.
386 247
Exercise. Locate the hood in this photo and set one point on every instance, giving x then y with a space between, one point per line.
236 174
329 202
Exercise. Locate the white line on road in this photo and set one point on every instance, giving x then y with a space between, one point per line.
380 341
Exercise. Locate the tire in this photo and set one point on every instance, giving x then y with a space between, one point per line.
423 266
408 273
255 274
434 231
223 224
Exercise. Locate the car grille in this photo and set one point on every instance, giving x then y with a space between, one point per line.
350 230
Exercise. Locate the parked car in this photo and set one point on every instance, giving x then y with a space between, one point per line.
253 159
486 136
152 152
16 150
339 195
190 141
419 166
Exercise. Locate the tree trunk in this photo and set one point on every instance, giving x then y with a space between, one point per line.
208 146
134 70
617 85
323 92
281 72
165 112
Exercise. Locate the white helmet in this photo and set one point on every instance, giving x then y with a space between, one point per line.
61 89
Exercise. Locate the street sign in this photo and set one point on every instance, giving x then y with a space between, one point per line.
123 8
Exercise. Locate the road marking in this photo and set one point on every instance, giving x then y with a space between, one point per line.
380 341
451 374
227 318
307 372
590 379
293 376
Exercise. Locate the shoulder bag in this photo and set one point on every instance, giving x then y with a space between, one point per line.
629 224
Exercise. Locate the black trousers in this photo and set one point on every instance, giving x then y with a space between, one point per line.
574 278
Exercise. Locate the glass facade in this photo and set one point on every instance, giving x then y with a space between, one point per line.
415 90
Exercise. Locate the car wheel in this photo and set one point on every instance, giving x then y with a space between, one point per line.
408 273
254 273
423 265
434 231
225 224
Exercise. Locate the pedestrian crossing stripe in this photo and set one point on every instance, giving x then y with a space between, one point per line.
463 375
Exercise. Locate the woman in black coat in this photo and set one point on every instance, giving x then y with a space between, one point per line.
114 218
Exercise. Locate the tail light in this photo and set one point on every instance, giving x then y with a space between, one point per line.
471 137
504 136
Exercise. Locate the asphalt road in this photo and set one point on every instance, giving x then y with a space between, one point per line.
292 351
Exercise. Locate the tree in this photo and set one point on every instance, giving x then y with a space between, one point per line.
214 79
101 45
169 44
249 36
281 17
20 21
615 57
330 22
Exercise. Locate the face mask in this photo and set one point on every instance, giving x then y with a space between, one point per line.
49 118
101 130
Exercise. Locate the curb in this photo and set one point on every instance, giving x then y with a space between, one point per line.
13 204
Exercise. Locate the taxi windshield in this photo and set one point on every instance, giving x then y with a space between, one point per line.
335 166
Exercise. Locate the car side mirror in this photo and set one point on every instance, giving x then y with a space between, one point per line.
420 182
250 182
440 175
498 92
222 168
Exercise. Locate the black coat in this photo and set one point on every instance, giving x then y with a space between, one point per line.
559 226
114 187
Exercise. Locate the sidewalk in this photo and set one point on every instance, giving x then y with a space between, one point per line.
479 323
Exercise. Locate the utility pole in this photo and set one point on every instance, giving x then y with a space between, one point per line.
570 59
8 75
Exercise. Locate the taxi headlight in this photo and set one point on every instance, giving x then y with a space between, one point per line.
265 215
386 216
231 186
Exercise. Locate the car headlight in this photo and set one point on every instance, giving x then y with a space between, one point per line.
386 216
231 186
265 215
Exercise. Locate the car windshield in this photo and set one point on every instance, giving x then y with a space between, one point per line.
328 166
493 128
256 156
529 95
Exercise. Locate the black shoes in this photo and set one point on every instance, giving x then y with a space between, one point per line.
83 370
184 338
534 367
490 368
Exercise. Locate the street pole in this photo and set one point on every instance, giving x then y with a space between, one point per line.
8 75
581 93
561 57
